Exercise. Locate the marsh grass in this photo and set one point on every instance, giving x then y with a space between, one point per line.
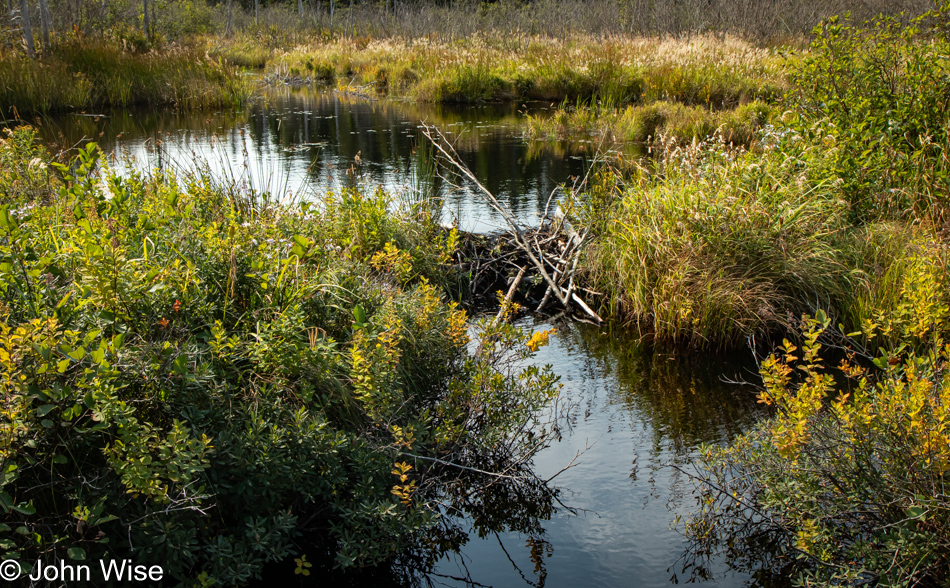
641 124
716 72
83 75
722 244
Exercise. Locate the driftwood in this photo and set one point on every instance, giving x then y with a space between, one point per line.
546 255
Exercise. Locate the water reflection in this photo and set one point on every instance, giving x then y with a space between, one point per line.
307 142
634 410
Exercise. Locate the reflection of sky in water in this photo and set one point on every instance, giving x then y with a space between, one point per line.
307 143
635 411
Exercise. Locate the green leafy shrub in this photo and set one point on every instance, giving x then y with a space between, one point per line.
206 379
878 95
848 477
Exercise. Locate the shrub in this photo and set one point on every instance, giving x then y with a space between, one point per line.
201 377
879 92
848 478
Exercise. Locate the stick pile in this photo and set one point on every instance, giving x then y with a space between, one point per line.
547 255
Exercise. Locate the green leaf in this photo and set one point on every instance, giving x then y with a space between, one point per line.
76 553
6 221
44 410
916 512
98 355
180 365
27 509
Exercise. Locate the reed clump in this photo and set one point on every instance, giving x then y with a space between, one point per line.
718 244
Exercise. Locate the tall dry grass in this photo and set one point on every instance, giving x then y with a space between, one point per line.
87 74
708 70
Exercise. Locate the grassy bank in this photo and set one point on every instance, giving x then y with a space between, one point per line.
715 244
84 75
706 70
218 383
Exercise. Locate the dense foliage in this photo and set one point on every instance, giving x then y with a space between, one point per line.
846 484
877 95
207 379
712 244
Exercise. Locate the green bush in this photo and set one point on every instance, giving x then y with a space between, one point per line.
877 94
192 377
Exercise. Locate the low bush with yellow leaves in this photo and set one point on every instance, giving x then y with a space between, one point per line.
847 482
194 378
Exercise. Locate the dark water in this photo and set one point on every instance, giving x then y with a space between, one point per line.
632 409
635 410
307 143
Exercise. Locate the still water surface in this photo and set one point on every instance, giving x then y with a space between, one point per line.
306 143
633 409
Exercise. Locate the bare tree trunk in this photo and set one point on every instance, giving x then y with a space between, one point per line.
27 31
300 8
349 17
227 27
145 23
46 24
331 15
257 12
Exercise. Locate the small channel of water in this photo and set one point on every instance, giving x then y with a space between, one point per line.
633 409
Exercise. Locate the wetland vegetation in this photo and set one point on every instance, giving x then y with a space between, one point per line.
224 374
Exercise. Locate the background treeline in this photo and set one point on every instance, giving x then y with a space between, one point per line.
35 24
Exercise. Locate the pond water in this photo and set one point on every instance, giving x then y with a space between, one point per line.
633 409
305 143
